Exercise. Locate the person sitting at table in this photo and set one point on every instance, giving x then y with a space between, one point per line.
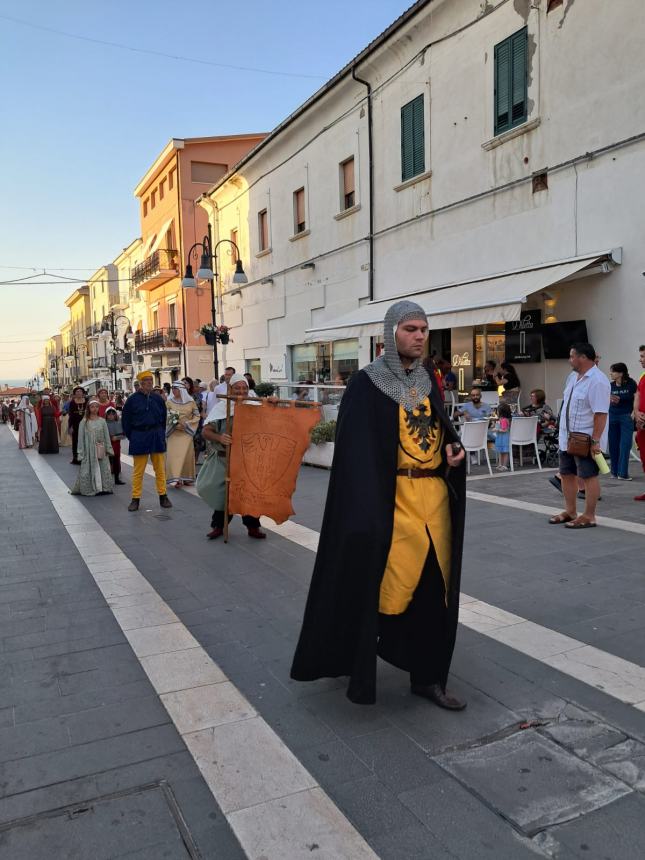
488 382
539 407
473 409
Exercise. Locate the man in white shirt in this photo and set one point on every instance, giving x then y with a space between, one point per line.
222 388
585 407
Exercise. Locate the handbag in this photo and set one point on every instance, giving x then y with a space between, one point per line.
100 450
578 444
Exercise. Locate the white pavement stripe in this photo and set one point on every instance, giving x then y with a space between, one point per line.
252 774
616 677
608 522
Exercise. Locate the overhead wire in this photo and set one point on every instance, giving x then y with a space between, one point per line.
152 52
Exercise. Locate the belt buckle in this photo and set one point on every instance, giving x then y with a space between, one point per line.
410 473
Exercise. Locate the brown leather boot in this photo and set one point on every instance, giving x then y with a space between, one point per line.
258 534
134 505
164 501
215 533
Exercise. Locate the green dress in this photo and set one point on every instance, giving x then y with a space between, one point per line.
211 481
94 475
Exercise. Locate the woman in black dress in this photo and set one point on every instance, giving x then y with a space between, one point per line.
47 415
76 414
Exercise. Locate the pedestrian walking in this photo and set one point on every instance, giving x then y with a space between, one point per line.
115 430
76 414
94 448
144 424
212 481
182 422
621 420
47 416
27 426
639 415
583 435
104 401
386 580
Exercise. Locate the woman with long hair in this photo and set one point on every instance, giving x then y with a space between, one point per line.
95 449
621 423
76 412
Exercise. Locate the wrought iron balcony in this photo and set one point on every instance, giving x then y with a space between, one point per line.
96 362
156 269
159 339
93 330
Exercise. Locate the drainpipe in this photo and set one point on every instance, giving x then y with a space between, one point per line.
371 178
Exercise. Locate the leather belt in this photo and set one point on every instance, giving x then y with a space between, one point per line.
420 473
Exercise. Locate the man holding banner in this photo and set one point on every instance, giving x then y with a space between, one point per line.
253 459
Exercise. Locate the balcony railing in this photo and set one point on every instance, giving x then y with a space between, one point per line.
161 338
155 269
101 361
92 330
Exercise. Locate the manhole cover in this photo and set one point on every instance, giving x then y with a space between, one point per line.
142 822
532 781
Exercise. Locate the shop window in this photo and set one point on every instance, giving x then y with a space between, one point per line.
330 363
412 139
344 360
511 81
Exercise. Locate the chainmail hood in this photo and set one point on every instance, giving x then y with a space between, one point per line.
407 388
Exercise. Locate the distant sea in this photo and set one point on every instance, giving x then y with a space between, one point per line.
12 383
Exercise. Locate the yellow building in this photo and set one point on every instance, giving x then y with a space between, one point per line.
53 362
79 320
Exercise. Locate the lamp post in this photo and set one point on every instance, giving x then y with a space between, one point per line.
208 272
109 334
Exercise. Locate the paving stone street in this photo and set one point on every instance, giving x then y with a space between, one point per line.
106 732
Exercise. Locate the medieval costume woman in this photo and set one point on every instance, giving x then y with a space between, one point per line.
181 424
211 482
387 573
76 413
47 415
28 427
94 448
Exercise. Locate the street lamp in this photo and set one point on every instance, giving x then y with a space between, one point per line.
109 334
208 272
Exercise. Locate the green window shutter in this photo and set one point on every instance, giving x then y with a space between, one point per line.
412 139
520 75
511 81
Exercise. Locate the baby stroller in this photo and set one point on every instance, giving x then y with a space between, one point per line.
548 448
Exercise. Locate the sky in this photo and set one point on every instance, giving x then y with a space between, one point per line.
83 120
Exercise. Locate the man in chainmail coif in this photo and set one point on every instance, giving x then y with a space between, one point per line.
388 568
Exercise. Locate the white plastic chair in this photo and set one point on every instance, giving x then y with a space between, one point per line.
450 403
491 398
474 438
524 432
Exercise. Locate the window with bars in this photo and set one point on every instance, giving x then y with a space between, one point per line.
263 230
511 82
347 191
412 139
299 222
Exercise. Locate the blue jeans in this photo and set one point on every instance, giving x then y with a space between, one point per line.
621 434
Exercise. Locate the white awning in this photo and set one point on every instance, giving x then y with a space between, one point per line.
161 237
496 298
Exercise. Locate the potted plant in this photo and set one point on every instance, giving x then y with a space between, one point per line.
321 450
264 389
222 334
210 333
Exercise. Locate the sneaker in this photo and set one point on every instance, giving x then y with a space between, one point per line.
627 478
501 468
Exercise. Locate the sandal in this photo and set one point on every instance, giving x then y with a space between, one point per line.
580 524
560 519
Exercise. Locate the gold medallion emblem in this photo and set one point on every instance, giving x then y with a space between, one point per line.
413 392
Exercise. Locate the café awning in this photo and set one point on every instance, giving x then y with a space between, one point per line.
494 298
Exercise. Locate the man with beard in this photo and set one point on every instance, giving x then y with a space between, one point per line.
387 573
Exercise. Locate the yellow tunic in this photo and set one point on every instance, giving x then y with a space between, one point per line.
421 512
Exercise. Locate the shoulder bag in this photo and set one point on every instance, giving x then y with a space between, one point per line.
578 444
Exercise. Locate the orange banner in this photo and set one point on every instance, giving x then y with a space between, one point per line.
269 442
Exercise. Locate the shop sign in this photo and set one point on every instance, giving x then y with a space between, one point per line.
274 367
524 338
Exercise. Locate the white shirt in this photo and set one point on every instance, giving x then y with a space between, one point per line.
586 395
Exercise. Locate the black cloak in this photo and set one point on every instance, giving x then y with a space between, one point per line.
339 633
